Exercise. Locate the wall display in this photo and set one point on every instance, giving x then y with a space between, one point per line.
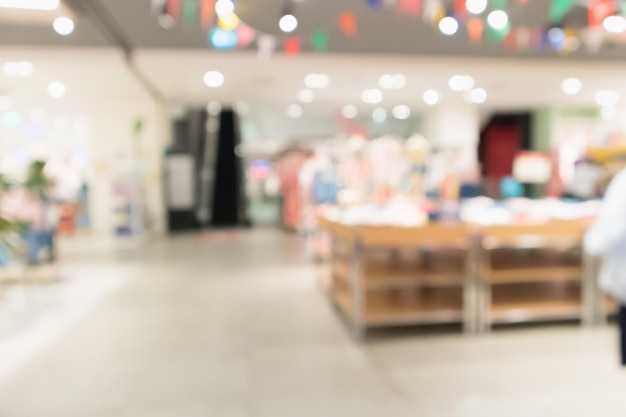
180 182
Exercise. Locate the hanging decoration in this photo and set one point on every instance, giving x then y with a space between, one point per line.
600 10
292 46
173 8
411 8
460 9
245 35
319 41
348 24
190 11
376 4
207 13
558 9
475 28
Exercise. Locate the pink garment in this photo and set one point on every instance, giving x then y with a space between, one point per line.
22 206
288 170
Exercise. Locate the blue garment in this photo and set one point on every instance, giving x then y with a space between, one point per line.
325 188
38 240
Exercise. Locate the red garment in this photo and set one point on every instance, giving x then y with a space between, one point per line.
288 170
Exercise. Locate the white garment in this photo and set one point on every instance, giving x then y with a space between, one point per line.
607 238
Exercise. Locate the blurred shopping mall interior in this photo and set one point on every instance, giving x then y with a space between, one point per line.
312 208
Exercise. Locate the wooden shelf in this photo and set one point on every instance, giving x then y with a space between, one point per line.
431 311
534 274
534 302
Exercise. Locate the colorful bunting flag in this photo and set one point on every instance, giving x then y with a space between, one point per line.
475 29
412 8
600 10
376 4
499 4
207 12
558 9
245 35
190 11
319 41
510 41
460 9
173 8
292 46
348 24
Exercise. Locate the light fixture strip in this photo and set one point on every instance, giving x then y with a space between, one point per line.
30 4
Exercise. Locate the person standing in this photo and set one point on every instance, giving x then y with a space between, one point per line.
607 239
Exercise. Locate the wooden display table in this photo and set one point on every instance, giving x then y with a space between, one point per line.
391 276
394 276
531 272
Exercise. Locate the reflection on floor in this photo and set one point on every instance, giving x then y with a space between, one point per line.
234 325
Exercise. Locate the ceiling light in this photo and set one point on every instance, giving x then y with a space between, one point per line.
349 111
306 96
498 19
571 86
317 81
461 83
615 24
373 96
607 97
224 7
30 4
386 81
431 97
11 69
401 112
213 79
294 111
56 89
399 81
476 6
379 115
11 119
25 69
63 25
608 112
477 96
448 25
288 23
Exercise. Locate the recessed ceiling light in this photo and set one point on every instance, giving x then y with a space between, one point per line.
213 79
431 97
379 115
63 26
288 23
294 111
349 111
498 19
615 24
30 4
224 7
571 86
56 89
25 69
306 96
399 81
373 96
317 81
461 83
476 6
386 81
11 119
401 112
11 69
477 96
607 97
448 25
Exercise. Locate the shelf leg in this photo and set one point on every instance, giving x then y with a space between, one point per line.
358 291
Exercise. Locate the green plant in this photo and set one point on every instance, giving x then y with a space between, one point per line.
37 182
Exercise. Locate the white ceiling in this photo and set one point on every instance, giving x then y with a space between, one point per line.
510 84
102 74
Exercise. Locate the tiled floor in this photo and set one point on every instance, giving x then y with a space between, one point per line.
234 325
